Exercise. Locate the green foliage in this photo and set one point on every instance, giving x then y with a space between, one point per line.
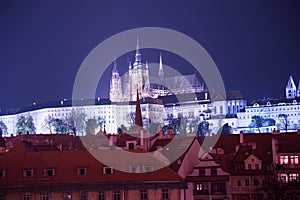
25 124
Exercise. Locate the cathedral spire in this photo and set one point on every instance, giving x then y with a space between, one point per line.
115 65
160 70
138 57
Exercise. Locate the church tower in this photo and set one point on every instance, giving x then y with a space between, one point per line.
138 76
298 89
115 94
290 89
161 70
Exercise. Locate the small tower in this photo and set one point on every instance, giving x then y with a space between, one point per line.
290 89
298 89
115 93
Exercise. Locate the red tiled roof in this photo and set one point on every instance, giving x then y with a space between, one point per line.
65 164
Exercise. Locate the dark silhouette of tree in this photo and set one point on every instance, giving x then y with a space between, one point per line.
203 128
48 123
257 122
269 122
91 126
226 129
283 118
76 121
25 124
60 126
3 127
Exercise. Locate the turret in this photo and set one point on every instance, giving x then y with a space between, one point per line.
115 93
290 89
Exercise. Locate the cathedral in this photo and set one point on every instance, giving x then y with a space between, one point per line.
123 88
291 91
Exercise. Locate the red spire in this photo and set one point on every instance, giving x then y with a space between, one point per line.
138 113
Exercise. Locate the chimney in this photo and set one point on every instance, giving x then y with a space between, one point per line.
241 137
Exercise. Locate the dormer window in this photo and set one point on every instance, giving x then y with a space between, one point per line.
81 171
2 173
107 170
28 172
49 172
147 168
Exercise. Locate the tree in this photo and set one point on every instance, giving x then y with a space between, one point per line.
76 121
101 121
257 122
130 120
284 121
226 129
269 122
48 123
3 127
203 128
60 126
91 126
25 124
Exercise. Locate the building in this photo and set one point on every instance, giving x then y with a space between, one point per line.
123 88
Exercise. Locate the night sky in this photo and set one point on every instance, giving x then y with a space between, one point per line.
256 45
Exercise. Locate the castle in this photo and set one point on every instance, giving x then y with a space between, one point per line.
123 88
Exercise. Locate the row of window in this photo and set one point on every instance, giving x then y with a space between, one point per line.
51 171
285 177
83 195
292 159
255 182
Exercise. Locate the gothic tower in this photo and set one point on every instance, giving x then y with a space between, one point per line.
138 76
115 93
290 89
160 70
298 89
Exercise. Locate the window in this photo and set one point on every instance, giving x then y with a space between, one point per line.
283 160
83 195
45 196
249 166
255 182
117 195
247 182
2 173
144 195
165 194
1 196
238 183
148 168
67 196
81 171
213 171
294 177
107 170
218 188
101 195
28 172
283 178
201 172
134 169
294 160
49 172
199 186
26 196
256 166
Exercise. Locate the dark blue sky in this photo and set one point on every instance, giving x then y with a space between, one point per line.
256 45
